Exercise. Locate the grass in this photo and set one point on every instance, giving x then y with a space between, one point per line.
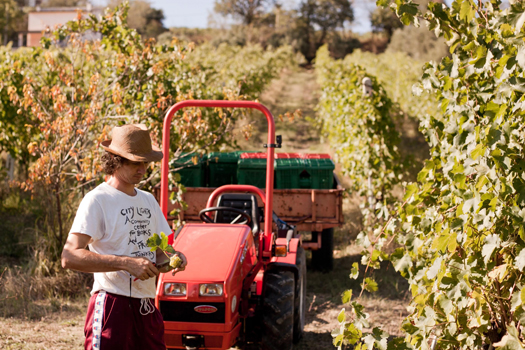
61 329
31 296
42 312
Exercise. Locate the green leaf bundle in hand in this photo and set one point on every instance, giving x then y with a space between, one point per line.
161 242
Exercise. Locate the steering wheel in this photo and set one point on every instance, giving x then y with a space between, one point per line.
206 218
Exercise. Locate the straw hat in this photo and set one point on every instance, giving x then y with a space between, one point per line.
132 142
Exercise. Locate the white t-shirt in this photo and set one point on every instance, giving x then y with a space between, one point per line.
120 224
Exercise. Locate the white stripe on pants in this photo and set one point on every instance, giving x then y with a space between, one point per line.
98 316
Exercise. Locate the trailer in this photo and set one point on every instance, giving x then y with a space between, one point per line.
314 211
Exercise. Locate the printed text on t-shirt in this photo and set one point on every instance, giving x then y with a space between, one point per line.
138 220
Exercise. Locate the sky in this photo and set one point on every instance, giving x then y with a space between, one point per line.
195 13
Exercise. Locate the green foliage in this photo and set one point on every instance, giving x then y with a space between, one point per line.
160 242
61 100
14 133
12 20
460 227
397 73
244 70
361 128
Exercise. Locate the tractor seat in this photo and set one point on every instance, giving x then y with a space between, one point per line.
243 201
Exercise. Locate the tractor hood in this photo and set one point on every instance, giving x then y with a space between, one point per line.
211 251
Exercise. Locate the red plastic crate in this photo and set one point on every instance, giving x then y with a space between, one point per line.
288 156
259 155
316 156
277 155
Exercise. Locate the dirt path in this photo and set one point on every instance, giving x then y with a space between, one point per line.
296 89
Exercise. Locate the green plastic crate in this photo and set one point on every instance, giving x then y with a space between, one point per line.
252 171
304 173
192 175
321 173
287 173
292 170
222 168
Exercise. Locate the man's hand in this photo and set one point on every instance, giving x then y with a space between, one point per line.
142 268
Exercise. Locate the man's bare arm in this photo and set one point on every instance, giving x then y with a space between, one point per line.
76 257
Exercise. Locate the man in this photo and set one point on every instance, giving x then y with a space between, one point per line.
116 219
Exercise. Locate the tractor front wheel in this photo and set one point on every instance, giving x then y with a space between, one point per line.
278 311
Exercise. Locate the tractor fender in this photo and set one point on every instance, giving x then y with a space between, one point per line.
292 251
287 262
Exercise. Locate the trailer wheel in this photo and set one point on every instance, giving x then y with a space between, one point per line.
278 307
300 296
323 259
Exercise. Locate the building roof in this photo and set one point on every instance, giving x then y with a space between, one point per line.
88 8
50 17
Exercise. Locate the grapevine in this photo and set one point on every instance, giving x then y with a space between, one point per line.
460 226
361 127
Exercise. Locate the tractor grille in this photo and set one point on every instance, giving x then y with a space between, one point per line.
184 312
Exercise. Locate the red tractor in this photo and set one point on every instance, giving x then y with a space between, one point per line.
245 283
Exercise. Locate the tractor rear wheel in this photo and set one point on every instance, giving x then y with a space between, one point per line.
300 296
278 309
323 259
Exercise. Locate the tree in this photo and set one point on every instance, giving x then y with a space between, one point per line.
142 17
12 20
246 10
419 43
317 19
14 133
385 21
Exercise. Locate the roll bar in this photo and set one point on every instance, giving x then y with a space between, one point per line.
221 104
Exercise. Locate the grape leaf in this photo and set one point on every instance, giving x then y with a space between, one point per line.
346 296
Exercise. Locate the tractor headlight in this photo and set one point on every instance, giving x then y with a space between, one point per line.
175 288
211 290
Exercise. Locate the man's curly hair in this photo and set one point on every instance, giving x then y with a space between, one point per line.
111 162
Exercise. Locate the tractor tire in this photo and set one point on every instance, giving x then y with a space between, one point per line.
277 312
299 311
323 259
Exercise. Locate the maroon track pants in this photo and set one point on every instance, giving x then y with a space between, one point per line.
120 322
